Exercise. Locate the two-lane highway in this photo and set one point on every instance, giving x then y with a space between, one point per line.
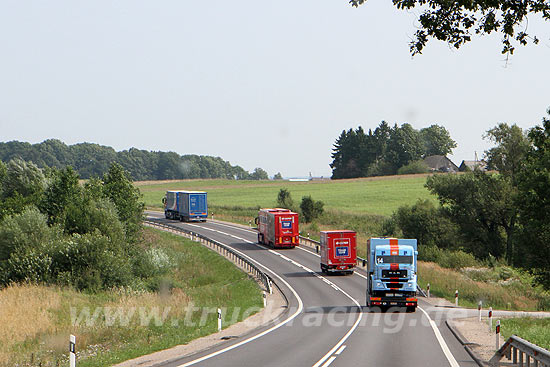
325 324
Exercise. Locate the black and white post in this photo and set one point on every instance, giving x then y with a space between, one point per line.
497 332
456 298
490 319
265 299
428 289
219 320
72 351
479 310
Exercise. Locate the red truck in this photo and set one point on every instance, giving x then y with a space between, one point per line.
338 251
278 228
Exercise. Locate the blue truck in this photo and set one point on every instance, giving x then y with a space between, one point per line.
391 268
186 205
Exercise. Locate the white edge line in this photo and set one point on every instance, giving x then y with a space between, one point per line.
439 337
331 359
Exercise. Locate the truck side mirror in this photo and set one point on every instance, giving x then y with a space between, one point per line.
256 220
164 200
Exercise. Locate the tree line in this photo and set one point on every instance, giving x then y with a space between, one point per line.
93 160
387 150
500 215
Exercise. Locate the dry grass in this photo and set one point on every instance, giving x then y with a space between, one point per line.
25 313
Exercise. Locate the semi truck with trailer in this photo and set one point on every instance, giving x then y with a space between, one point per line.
186 205
338 251
278 228
391 269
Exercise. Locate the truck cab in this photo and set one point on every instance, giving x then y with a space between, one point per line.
391 267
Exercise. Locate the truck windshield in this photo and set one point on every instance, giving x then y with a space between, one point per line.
394 259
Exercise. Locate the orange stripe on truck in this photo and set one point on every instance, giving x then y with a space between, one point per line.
394 246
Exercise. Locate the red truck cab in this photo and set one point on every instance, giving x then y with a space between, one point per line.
278 228
338 251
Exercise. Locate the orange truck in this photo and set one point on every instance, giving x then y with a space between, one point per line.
278 228
338 251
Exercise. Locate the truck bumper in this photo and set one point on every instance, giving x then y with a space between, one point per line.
393 301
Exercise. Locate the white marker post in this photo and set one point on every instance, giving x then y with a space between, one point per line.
428 288
456 298
72 351
219 320
490 319
265 299
479 310
498 335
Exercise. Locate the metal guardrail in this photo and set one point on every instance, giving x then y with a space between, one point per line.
221 249
362 263
521 353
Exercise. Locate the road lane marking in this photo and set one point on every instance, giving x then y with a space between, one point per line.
330 360
450 358
339 351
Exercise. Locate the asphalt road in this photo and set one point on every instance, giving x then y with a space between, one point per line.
326 322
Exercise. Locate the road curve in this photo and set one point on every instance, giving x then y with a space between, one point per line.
329 328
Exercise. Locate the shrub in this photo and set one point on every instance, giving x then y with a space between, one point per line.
413 167
311 209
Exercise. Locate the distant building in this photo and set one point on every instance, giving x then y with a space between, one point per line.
440 163
472 165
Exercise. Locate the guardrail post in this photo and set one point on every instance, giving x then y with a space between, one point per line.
219 320
72 351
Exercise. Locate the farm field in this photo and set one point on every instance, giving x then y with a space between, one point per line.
375 196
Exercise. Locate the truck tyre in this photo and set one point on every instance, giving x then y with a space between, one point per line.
260 239
350 272
411 309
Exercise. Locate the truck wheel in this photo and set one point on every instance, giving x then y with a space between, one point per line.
350 272
260 241
411 309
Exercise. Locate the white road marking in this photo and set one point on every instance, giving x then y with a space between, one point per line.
339 351
439 337
330 360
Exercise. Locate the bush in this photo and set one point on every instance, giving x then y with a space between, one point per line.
447 258
284 200
413 167
311 209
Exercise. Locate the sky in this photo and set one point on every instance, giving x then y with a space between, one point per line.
266 84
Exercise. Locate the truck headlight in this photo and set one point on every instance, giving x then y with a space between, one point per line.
379 285
410 284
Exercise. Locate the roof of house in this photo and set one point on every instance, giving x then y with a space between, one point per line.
440 163
472 165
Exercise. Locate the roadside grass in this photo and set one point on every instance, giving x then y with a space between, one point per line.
144 319
536 331
375 195
512 294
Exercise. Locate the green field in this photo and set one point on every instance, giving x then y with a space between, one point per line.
537 331
374 196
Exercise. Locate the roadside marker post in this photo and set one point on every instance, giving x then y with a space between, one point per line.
72 351
456 298
428 288
497 347
490 319
265 299
479 310
219 320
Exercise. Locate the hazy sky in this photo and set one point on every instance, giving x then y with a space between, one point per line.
258 83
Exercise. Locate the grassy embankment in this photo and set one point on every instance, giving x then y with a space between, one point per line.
362 205
199 277
536 331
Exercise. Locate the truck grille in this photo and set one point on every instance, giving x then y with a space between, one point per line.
394 285
394 273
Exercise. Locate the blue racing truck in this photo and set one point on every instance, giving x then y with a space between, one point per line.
186 205
391 267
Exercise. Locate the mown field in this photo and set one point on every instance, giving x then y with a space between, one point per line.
374 196
199 277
